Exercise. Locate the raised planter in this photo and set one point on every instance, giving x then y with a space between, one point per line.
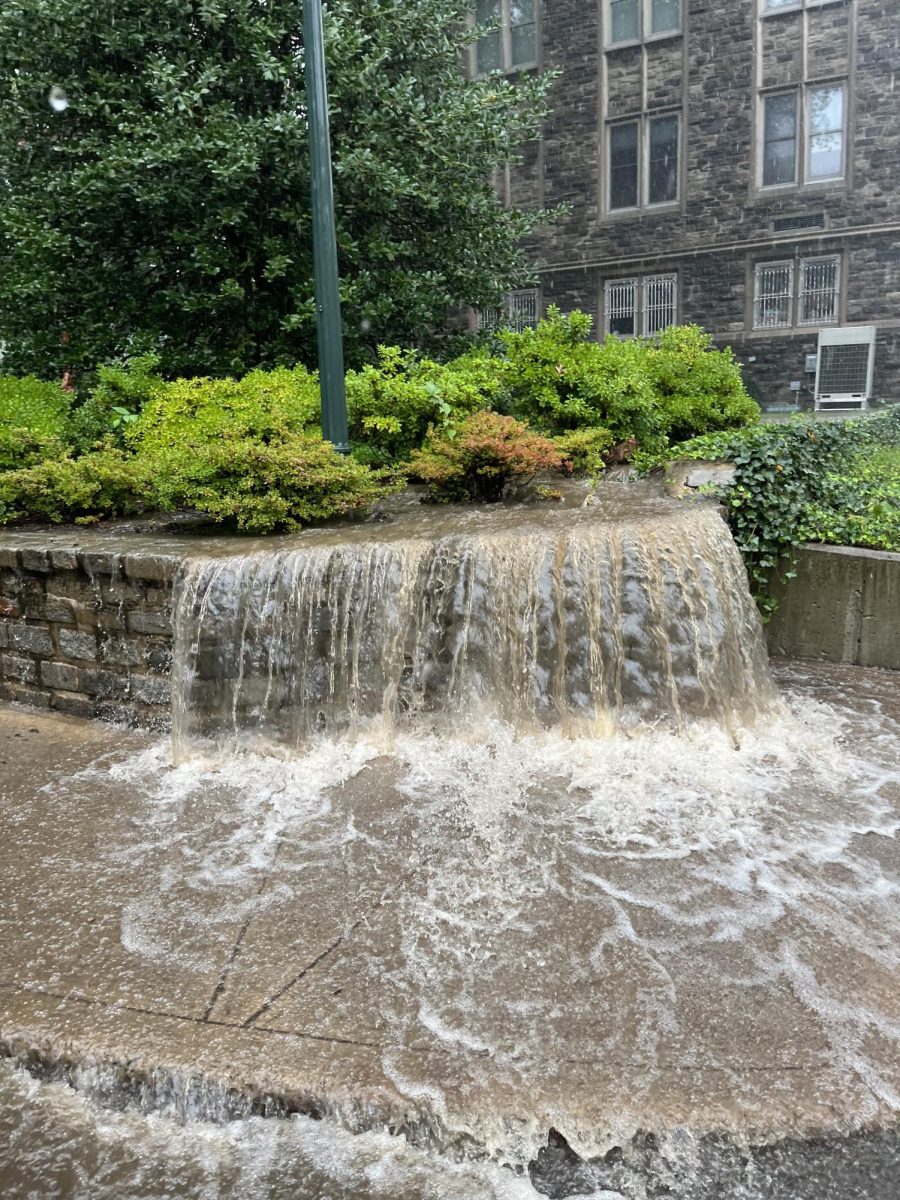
86 619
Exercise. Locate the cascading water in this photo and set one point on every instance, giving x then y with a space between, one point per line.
585 620
534 840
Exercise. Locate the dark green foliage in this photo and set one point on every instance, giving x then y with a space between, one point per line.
476 459
804 480
559 378
33 419
106 483
166 209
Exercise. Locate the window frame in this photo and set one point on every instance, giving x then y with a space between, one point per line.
645 25
803 135
644 121
797 266
792 7
505 27
638 284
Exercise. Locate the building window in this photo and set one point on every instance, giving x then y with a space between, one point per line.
640 307
643 162
823 127
521 310
769 6
512 40
637 20
819 291
779 304
773 295
825 121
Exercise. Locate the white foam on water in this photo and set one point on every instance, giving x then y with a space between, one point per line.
535 859
54 1132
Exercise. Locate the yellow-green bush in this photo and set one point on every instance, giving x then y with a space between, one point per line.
106 483
260 487
559 378
585 450
265 406
33 417
392 404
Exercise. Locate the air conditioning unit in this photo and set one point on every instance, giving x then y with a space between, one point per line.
846 361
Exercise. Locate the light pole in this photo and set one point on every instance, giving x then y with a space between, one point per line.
328 300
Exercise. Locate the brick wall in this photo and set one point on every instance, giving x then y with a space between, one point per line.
87 633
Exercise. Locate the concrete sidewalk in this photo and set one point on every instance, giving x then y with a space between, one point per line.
473 967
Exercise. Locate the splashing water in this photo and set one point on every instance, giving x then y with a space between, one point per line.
583 873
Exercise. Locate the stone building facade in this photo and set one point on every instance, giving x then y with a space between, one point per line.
733 163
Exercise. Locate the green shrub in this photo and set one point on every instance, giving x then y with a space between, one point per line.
558 379
33 417
121 391
392 404
585 450
699 389
260 487
475 460
106 483
264 406
672 386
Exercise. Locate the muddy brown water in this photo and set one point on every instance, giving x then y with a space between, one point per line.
788 845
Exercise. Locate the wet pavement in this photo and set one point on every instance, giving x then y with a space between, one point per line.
472 944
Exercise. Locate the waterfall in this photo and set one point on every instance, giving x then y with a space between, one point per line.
581 620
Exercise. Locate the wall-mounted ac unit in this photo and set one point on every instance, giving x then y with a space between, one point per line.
845 365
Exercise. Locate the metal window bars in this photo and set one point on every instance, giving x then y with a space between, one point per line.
520 310
641 306
660 302
773 295
819 290
620 306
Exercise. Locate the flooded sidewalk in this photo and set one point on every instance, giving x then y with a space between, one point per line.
665 954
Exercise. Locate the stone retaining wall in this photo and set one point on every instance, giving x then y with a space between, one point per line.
87 632
86 625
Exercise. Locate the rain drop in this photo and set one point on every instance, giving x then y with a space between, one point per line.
59 101
365 325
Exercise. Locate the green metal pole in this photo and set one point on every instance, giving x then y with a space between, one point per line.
328 300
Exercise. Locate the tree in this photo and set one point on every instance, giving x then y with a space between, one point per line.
154 179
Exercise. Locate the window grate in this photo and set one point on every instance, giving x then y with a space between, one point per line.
773 295
819 291
522 309
806 221
660 303
620 306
